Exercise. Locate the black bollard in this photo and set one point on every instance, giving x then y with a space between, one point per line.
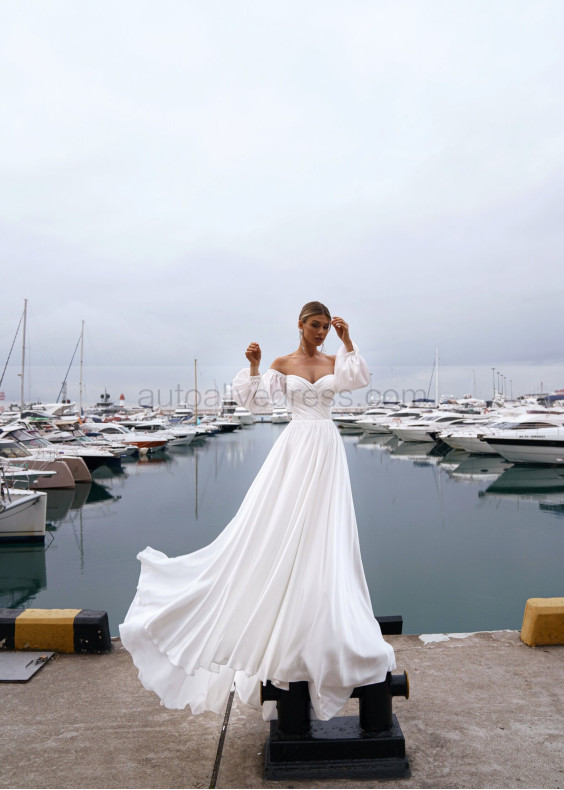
293 707
370 745
375 706
375 702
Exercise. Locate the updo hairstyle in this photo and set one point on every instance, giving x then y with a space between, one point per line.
313 308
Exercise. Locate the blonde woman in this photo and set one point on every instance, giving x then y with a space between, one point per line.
280 595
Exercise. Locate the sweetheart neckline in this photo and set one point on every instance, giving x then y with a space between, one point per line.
308 381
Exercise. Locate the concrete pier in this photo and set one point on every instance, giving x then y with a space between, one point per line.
485 711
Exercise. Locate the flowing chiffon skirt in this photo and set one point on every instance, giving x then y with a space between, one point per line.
280 595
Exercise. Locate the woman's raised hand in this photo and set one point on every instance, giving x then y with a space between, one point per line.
253 354
342 330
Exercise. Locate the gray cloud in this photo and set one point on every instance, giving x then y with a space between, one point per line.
184 177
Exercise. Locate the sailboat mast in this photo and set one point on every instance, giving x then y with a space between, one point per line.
196 390
23 357
81 363
437 377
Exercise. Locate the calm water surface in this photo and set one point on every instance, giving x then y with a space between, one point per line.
451 542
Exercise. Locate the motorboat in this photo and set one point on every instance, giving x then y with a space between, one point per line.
425 429
146 442
182 412
225 425
177 434
14 455
218 424
79 439
543 444
374 419
407 414
22 515
465 435
280 415
228 402
347 422
80 460
243 416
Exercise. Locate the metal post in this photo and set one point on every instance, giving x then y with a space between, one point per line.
22 399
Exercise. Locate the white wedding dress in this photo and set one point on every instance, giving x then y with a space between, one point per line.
280 595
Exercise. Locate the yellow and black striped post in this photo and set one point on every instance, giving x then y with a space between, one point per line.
60 630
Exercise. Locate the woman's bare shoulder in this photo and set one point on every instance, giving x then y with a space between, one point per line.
283 364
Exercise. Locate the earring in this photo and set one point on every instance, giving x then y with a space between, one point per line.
322 349
301 335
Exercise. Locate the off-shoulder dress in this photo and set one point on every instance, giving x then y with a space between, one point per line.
280 594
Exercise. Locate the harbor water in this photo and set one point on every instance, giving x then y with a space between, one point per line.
452 542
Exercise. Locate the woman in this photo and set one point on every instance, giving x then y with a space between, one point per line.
280 595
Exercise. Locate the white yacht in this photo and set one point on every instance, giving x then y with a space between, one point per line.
404 415
177 434
243 416
425 429
280 415
464 435
120 435
228 402
535 442
373 420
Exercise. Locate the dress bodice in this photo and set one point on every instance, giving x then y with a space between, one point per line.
310 400
307 400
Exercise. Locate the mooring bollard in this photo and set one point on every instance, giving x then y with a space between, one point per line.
370 745
375 702
293 707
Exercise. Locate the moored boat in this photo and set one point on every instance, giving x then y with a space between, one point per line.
243 416
22 515
529 446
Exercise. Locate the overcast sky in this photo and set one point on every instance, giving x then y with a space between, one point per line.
183 176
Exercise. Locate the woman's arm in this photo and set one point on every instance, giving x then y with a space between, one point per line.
342 330
254 354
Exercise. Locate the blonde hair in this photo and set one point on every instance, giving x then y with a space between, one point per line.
313 308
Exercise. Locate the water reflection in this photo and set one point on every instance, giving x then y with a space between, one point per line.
425 513
23 574
415 451
541 484
371 440
452 459
98 493
59 501
480 467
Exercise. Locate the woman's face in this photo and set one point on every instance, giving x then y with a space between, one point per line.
315 328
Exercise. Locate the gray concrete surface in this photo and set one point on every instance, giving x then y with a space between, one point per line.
484 711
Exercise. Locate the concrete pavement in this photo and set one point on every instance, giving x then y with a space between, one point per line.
485 711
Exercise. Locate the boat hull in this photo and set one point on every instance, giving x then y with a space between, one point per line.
470 444
79 470
22 520
413 434
531 451
61 479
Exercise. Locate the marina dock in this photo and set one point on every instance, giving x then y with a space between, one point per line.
484 710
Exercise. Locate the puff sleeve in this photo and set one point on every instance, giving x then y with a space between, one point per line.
351 371
255 393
